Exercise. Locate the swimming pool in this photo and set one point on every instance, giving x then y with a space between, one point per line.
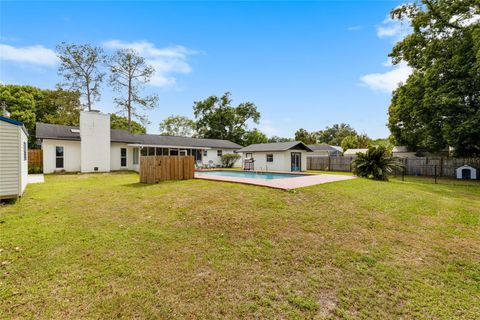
251 174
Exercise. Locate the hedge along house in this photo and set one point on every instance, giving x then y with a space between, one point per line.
13 158
280 156
94 147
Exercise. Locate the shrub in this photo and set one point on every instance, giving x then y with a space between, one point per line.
229 159
34 169
376 163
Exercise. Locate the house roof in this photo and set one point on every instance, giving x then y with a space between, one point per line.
277 146
61 132
14 122
323 147
354 151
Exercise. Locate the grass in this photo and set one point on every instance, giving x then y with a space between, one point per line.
105 246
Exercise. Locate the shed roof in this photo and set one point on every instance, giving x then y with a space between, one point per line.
277 146
61 132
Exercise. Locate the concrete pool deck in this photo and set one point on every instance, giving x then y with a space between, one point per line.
284 184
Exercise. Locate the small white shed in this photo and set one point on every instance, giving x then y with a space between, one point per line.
13 158
280 156
466 172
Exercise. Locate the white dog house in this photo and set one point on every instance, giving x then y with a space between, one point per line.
13 158
466 172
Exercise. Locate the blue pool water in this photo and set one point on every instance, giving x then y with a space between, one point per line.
252 174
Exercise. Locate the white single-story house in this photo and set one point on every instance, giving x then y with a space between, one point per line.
280 156
13 158
325 150
353 152
94 147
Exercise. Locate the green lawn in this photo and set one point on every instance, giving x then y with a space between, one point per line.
105 246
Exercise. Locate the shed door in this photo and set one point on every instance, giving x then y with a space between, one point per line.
466 174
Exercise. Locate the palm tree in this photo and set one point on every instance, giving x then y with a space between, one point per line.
376 163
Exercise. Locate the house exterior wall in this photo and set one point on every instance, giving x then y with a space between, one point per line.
10 167
217 161
95 141
71 155
281 160
23 160
115 157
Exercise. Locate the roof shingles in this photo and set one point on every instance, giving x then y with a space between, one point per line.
61 132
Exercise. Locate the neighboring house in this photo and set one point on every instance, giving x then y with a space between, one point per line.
94 147
13 158
280 156
325 150
353 152
402 152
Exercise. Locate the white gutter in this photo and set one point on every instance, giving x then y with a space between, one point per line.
167 147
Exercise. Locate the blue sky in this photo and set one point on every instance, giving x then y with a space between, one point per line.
304 64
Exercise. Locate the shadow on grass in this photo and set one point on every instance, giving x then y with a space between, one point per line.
139 185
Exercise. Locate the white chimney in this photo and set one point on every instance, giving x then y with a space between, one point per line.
95 141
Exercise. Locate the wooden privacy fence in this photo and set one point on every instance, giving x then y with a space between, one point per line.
330 163
35 158
414 166
154 169
439 166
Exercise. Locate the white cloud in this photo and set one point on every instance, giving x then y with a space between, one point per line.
166 61
38 55
387 81
395 29
266 127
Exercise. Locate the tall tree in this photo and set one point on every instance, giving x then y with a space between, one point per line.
30 105
335 134
129 74
177 126
305 136
119 122
279 139
439 105
80 69
255 136
356 141
217 118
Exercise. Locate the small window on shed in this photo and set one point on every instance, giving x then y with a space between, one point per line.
219 153
269 157
205 153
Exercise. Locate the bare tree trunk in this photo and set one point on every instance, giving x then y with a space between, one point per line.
129 104
89 102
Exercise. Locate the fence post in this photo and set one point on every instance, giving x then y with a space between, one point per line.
435 170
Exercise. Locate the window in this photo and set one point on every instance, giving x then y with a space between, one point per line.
59 157
165 152
151 151
219 153
248 156
135 155
269 157
24 151
123 157
144 152
158 151
205 153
